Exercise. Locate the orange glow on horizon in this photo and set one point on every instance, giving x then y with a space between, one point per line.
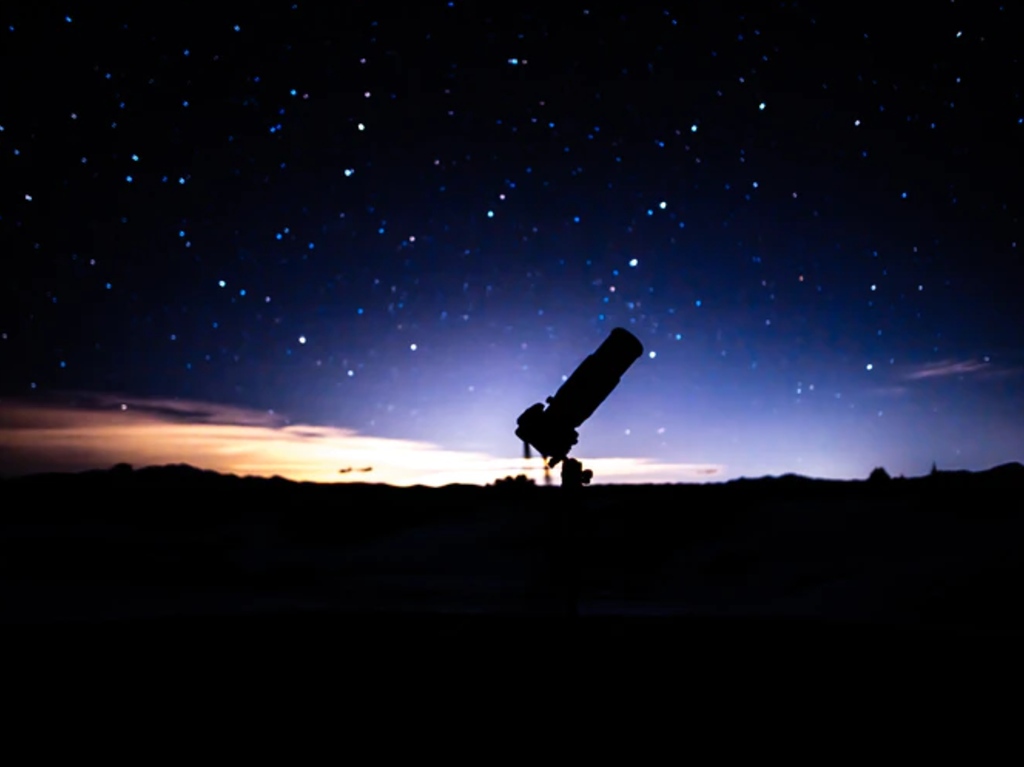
59 437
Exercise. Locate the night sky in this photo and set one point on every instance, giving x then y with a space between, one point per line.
298 238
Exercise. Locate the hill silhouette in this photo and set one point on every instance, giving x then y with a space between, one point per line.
178 551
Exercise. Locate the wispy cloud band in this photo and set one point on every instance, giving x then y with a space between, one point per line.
99 431
947 368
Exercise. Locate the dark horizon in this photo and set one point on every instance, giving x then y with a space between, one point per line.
879 477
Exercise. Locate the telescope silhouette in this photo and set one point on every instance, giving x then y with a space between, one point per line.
552 431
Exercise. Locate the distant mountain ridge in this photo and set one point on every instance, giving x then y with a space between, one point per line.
186 475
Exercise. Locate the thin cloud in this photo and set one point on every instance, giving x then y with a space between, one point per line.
184 411
947 368
97 432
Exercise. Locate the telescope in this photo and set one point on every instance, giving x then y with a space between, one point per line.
552 430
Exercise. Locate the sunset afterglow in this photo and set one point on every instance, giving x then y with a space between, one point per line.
236 441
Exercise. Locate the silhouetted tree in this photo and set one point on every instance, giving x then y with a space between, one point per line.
879 474
511 482
935 469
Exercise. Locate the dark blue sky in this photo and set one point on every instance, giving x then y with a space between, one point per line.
411 220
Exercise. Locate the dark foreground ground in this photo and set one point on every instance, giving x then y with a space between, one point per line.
170 570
